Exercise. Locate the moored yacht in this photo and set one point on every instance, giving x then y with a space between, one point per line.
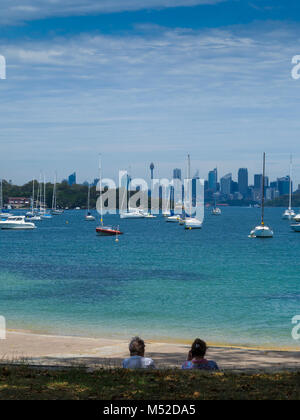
16 223
262 231
289 214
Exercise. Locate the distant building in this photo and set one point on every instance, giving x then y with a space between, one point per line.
18 202
226 185
283 185
177 173
72 179
213 180
243 181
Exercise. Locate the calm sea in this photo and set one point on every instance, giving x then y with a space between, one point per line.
159 281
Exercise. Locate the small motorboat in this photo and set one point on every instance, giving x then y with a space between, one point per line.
16 223
33 218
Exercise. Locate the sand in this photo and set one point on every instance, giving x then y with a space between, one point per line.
47 350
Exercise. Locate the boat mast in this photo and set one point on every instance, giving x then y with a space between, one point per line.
88 204
263 193
190 184
1 194
100 186
32 204
291 184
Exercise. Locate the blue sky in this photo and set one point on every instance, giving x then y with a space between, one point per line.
148 80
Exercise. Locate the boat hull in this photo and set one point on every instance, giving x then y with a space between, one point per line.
296 228
132 216
262 232
102 231
192 224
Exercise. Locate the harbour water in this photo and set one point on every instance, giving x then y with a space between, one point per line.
159 281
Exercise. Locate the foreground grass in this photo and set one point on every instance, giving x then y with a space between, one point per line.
76 384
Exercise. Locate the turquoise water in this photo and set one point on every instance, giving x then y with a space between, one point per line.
159 281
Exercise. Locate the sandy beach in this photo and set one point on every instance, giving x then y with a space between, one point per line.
47 350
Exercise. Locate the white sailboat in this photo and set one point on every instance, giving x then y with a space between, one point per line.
190 222
45 214
130 213
289 214
32 216
55 211
216 211
262 231
2 215
89 217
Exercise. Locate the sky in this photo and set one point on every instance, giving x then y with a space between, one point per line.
143 81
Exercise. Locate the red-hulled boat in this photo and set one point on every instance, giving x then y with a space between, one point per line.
108 231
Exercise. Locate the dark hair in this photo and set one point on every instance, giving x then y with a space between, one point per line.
199 348
137 347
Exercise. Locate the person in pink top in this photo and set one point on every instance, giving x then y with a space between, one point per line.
196 358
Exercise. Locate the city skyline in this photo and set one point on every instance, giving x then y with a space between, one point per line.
148 80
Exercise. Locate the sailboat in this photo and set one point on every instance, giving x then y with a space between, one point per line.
105 230
262 231
2 215
191 222
44 213
89 217
55 211
130 213
32 215
216 211
289 214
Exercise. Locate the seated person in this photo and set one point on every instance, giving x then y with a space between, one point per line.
196 358
137 359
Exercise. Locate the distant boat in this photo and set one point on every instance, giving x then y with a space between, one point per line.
89 217
32 216
191 222
105 230
55 211
216 211
262 231
16 223
296 227
289 214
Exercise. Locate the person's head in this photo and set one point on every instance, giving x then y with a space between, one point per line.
137 347
199 348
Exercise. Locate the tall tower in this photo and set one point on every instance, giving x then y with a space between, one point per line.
152 170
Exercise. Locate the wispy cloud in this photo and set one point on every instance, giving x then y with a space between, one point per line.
224 95
13 11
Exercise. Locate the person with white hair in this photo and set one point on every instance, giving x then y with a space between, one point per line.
137 359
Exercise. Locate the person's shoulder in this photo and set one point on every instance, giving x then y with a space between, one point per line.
148 362
125 363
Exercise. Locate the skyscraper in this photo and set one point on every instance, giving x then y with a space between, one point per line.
226 184
213 180
283 185
243 181
72 179
152 170
177 173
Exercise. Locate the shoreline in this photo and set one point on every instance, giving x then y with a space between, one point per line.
165 340
69 351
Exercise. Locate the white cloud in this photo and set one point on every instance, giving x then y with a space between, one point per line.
13 11
224 95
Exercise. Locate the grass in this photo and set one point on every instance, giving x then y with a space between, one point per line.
24 383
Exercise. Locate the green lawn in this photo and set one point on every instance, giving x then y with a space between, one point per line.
76 384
